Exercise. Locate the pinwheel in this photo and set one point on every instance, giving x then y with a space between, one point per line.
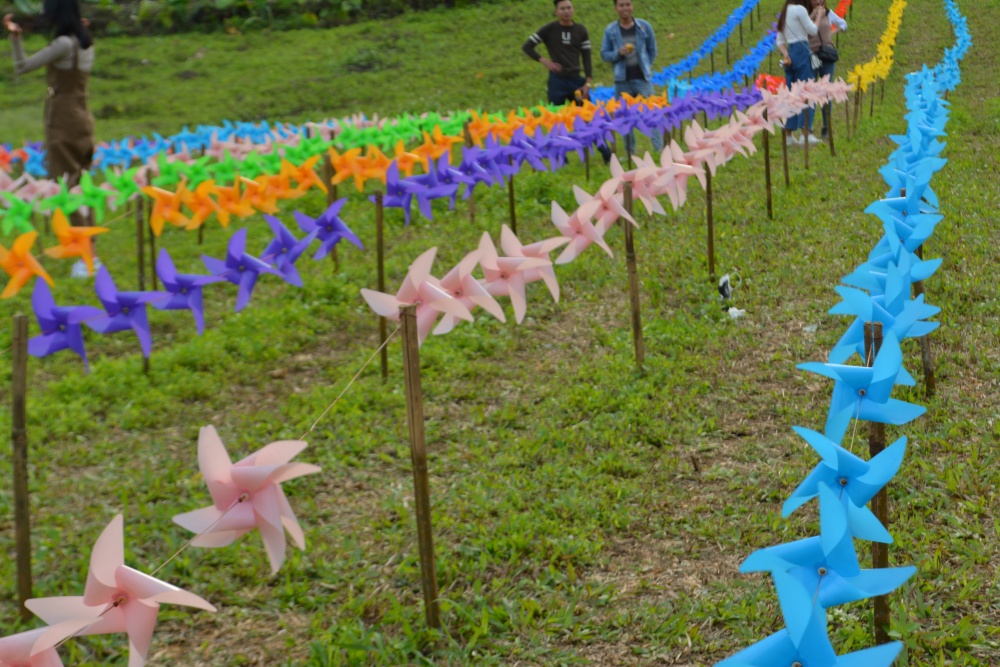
167 207
507 276
201 203
239 268
449 179
74 241
545 272
329 228
304 174
863 392
642 178
855 481
122 184
814 651
350 164
183 291
463 286
20 651
229 201
420 288
405 161
816 573
610 205
247 495
116 598
284 250
18 216
577 229
257 195
62 200
20 264
60 325
122 310
473 171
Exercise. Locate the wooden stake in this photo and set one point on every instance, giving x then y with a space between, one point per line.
510 201
881 97
930 381
711 58
586 161
767 170
472 195
741 33
871 110
727 50
710 223
880 503
19 444
152 257
633 283
751 20
805 135
770 62
857 108
380 254
784 155
418 452
829 127
140 242
847 118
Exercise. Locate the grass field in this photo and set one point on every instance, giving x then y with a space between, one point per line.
584 513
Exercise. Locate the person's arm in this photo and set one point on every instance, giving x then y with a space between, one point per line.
608 52
587 55
529 49
56 50
837 22
806 23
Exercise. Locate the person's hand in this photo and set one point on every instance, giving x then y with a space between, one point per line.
10 26
585 91
553 67
624 51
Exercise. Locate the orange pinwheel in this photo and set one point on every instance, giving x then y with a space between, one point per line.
230 202
167 207
378 163
258 196
346 166
20 264
445 140
304 174
199 201
479 127
73 241
406 161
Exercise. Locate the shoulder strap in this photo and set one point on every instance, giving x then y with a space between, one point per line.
76 52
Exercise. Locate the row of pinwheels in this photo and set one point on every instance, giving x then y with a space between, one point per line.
247 495
877 69
820 572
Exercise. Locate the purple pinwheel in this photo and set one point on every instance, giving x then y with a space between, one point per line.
123 310
450 179
398 194
328 228
526 149
60 325
284 250
239 268
183 290
474 171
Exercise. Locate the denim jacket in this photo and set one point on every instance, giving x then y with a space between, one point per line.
645 42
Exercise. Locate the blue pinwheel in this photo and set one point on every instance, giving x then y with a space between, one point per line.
816 573
122 310
778 649
862 392
328 228
60 325
284 250
184 291
239 268
855 481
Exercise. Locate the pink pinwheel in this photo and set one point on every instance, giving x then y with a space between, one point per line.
462 285
755 119
679 157
19 651
115 599
506 276
610 206
671 178
420 288
247 495
578 230
644 177
703 148
511 245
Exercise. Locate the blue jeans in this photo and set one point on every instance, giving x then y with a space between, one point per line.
801 70
826 69
636 88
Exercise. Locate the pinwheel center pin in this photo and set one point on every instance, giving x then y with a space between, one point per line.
843 481
184 290
821 571
119 600
796 664
243 268
125 310
862 392
62 327
504 276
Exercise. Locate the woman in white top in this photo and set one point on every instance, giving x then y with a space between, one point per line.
794 30
68 60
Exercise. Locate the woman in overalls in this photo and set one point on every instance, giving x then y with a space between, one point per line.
68 59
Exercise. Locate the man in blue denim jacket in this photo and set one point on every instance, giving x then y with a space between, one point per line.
629 44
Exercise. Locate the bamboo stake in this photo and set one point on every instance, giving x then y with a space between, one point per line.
880 503
152 257
418 453
633 283
472 195
784 155
847 118
711 58
829 128
741 33
19 444
805 135
331 196
767 170
727 49
871 110
201 233
710 223
586 161
926 356
140 242
510 201
857 107
380 254
751 20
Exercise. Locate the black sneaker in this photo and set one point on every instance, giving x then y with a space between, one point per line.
605 153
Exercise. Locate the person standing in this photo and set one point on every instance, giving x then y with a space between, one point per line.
794 30
823 18
68 59
629 44
567 43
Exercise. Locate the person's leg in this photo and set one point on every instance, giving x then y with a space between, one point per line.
645 88
827 70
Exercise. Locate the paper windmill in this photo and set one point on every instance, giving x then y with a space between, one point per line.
60 325
122 310
239 268
507 276
578 230
329 228
862 392
20 651
816 651
247 495
116 598
284 250
74 241
20 264
855 481
462 285
184 291
539 252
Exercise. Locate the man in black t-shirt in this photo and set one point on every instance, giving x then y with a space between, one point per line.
566 43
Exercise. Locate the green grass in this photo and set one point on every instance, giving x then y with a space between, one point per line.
584 513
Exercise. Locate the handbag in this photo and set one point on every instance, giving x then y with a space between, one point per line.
814 61
828 53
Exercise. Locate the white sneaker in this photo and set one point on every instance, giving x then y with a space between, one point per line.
814 140
79 270
796 140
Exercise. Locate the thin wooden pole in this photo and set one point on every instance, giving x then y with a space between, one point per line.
467 134
847 119
828 107
880 503
805 135
727 49
751 20
19 443
201 233
857 107
331 196
871 110
586 161
926 356
152 257
741 33
380 254
633 283
140 242
881 97
784 155
710 222
711 59
418 452
510 201
767 171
